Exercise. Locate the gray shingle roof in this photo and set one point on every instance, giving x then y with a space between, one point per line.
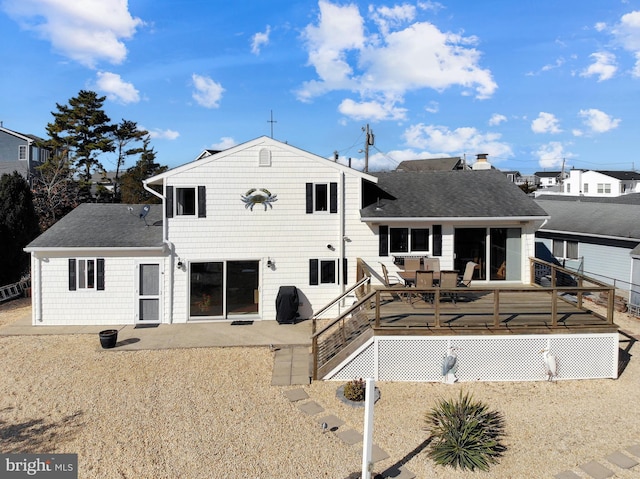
630 199
431 164
100 225
450 194
593 218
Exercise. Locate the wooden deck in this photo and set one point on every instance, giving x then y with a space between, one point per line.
531 310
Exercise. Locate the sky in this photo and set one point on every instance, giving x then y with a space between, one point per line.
536 84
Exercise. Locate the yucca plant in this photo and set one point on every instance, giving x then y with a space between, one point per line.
465 434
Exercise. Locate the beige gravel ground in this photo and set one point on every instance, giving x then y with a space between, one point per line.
212 413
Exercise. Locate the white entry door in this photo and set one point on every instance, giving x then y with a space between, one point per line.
148 294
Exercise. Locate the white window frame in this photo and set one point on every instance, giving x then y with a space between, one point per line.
83 275
333 280
565 244
585 188
410 240
22 152
604 188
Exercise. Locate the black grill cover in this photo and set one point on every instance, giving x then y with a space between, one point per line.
287 305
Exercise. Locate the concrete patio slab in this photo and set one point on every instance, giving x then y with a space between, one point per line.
635 450
349 436
377 454
398 473
567 475
596 470
311 408
294 395
333 422
621 460
176 336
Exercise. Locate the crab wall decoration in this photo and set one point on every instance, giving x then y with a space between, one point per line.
258 196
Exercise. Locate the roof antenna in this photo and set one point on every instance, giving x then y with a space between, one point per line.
144 212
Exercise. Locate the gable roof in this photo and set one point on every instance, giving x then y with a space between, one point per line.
265 141
103 226
592 218
620 175
431 164
450 194
22 136
547 174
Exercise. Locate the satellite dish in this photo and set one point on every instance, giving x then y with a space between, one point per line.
144 212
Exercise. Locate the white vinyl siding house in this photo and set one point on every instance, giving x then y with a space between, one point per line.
237 225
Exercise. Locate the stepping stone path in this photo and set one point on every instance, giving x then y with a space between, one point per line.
596 470
291 367
348 436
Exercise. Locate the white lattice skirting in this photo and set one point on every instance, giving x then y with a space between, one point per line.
482 358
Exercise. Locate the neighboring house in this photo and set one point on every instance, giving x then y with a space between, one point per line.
593 235
513 176
548 179
20 152
237 225
601 183
433 164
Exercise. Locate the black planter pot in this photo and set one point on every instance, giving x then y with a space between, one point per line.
108 338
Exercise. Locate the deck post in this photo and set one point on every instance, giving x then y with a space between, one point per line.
496 307
436 305
314 348
377 309
579 295
554 303
611 305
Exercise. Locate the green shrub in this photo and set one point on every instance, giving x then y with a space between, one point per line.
465 434
355 390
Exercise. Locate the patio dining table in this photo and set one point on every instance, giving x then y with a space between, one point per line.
409 277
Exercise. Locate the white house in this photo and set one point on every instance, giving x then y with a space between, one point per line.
601 184
237 225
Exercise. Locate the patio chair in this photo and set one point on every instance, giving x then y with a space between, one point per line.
465 280
391 281
432 264
411 264
424 280
449 280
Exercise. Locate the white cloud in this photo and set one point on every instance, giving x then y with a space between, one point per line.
371 110
604 66
551 66
117 89
598 121
552 154
260 39
456 142
158 134
545 123
432 107
627 32
225 143
577 132
383 64
600 26
207 92
496 119
87 31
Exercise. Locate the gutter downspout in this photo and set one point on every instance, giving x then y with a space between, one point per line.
36 287
165 240
342 232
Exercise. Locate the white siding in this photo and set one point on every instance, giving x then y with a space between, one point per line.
116 304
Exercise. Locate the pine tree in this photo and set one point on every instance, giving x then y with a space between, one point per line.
125 133
18 226
132 190
84 130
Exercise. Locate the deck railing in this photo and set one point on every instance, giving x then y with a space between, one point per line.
389 310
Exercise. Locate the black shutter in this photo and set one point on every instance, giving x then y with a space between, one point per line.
333 197
72 274
437 240
345 279
309 198
383 240
100 274
313 272
202 202
169 202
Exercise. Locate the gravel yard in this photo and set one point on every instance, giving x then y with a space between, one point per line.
212 413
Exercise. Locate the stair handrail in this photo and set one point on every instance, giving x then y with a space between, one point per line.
333 302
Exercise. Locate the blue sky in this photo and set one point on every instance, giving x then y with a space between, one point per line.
532 83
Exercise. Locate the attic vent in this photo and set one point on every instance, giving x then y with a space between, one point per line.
264 159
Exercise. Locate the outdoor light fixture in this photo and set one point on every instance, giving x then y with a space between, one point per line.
330 246
180 264
271 264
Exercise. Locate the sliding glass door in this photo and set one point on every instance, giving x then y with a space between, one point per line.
221 289
501 260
